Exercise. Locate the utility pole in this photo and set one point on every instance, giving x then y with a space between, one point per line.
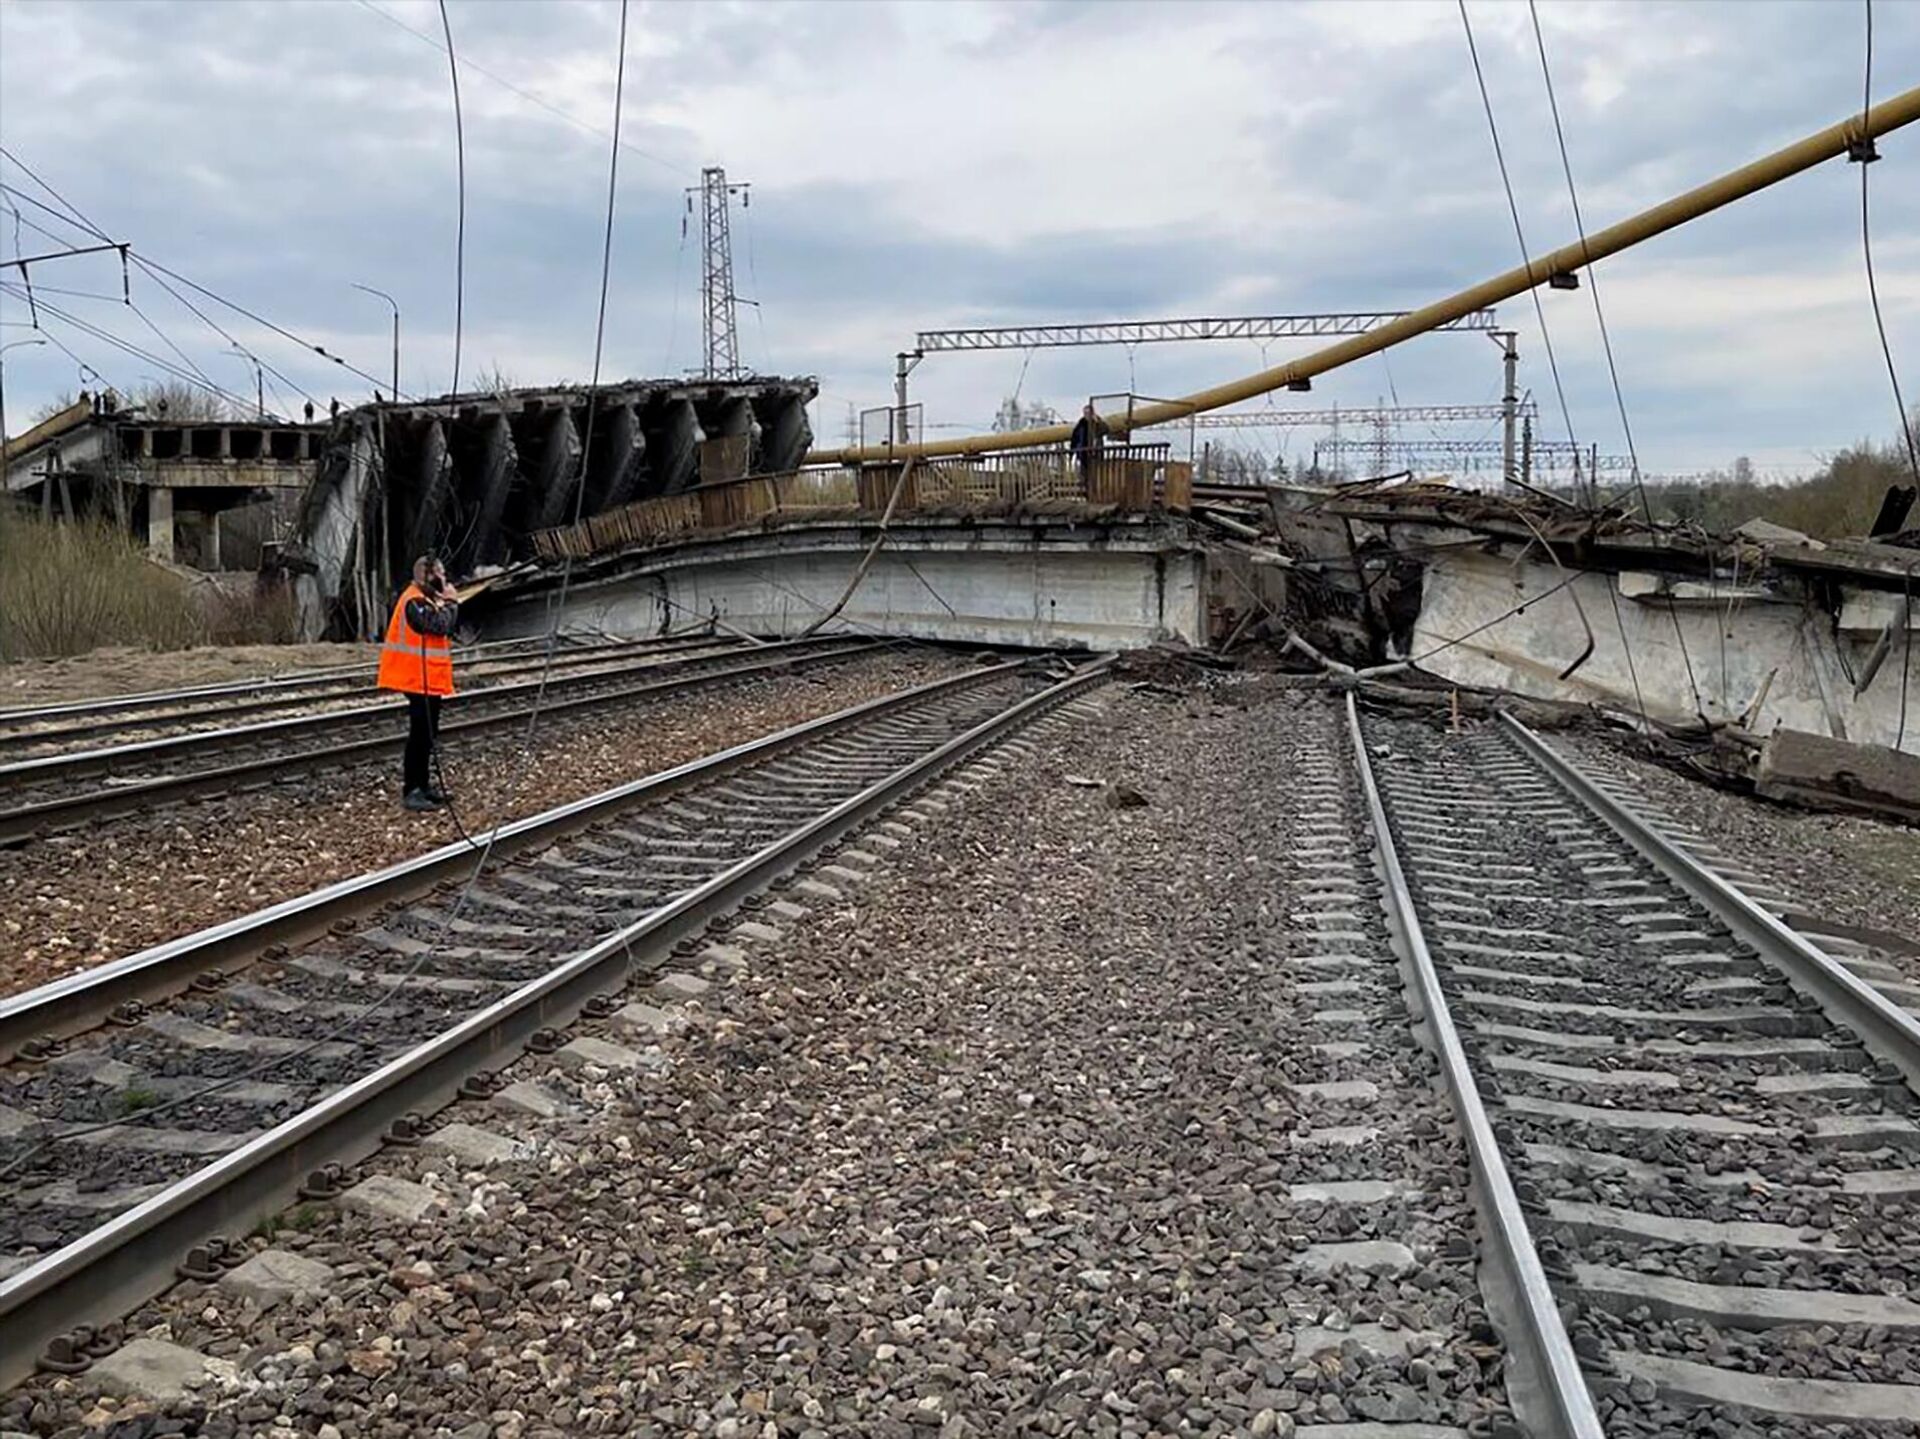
903 364
259 381
716 284
1509 402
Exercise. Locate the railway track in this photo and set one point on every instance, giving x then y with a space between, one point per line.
1691 1129
58 791
158 1100
55 728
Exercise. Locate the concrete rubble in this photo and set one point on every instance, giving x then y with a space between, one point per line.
1777 661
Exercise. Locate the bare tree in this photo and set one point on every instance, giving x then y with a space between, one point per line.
52 407
177 400
494 380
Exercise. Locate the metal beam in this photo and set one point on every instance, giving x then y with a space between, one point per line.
1554 453
1143 332
1267 419
1851 136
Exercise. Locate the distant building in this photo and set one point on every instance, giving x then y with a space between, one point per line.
203 493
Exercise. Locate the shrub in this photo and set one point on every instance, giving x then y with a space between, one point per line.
68 587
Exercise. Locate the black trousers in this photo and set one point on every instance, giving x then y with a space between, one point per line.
423 723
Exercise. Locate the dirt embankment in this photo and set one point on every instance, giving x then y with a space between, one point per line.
118 670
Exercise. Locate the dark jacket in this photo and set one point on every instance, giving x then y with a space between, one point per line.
1088 438
430 619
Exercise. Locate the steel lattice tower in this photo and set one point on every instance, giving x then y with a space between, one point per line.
716 285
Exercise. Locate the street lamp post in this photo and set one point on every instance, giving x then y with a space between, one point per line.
259 381
5 442
396 334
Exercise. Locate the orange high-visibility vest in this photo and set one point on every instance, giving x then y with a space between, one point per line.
410 661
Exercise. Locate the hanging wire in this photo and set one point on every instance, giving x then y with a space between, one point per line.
1866 253
1606 341
460 222
673 323
1546 338
352 1023
753 272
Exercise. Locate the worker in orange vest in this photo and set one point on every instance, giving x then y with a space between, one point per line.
417 660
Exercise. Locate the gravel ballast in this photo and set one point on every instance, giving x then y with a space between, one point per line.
998 1139
80 899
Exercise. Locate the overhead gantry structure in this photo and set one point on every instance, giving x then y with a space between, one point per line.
1852 137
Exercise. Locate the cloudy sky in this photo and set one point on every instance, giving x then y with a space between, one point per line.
918 165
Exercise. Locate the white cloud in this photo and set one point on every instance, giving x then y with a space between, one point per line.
919 164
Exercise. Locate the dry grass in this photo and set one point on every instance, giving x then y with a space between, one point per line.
69 587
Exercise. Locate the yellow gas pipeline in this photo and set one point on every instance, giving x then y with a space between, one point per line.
1902 109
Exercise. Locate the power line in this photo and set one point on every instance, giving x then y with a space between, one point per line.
105 336
258 319
151 266
1867 154
1613 370
460 224
219 330
529 96
351 1023
1546 337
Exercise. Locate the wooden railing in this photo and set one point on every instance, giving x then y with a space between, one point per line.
1121 478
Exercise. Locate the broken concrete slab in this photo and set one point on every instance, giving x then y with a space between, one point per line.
274 1276
523 1096
645 1021
1370 1256
1313 1341
676 987
1352 1191
605 1054
382 1196
474 1147
149 1369
1822 773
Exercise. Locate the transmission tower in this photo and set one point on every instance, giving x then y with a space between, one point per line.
716 285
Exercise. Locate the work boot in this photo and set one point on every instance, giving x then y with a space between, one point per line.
419 799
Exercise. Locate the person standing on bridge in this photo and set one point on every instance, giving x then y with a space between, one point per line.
417 660
1089 438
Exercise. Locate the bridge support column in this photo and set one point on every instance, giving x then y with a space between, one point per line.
160 522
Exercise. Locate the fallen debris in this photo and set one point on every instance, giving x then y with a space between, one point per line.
1821 773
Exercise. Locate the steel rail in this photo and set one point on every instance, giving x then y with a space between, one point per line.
187 706
1546 1385
1888 1030
83 1001
328 674
79 764
111 1270
25 820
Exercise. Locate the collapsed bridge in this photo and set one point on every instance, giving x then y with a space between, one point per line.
473 477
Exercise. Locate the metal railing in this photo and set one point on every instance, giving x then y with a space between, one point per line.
1120 478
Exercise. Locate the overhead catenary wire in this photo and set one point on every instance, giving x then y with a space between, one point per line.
1546 337
528 95
351 1023
1864 159
155 269
107 337
1613 369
